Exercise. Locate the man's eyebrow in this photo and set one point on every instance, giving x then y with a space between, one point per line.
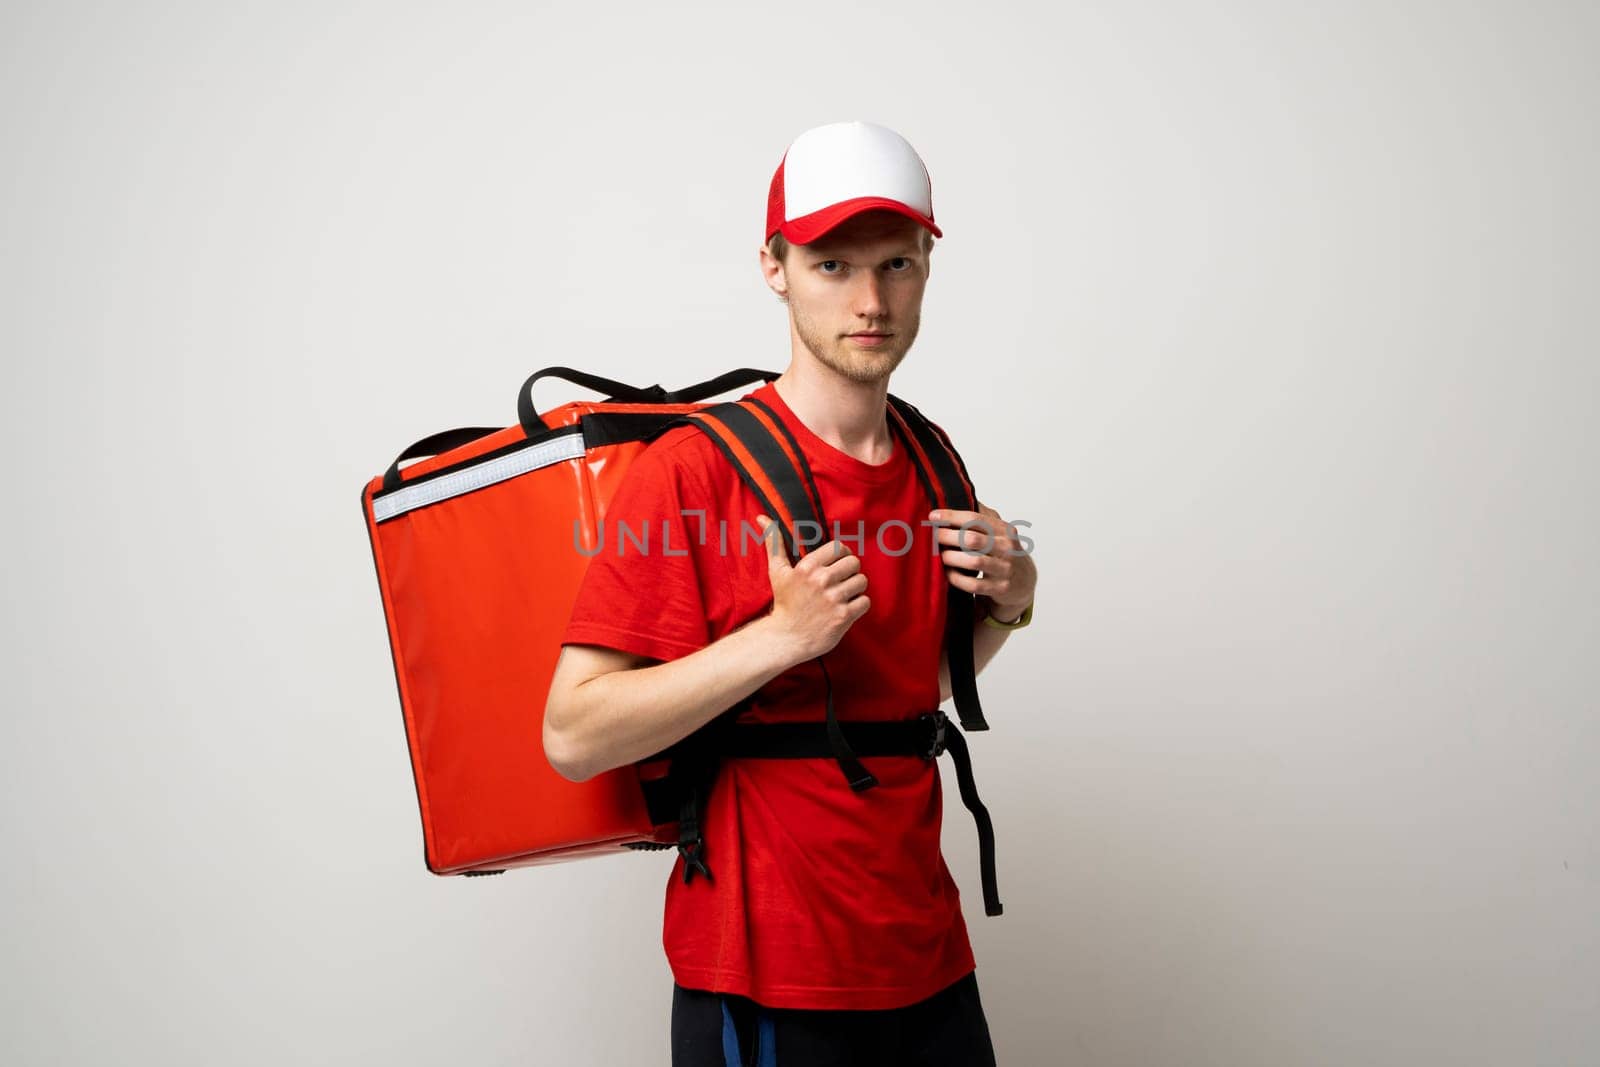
907 249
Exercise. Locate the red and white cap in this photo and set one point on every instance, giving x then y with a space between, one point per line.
833 172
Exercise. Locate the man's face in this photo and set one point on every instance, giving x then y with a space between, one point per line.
855 294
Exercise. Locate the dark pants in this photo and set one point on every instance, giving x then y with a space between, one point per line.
720 1030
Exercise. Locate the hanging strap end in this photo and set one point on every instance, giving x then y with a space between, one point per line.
863 781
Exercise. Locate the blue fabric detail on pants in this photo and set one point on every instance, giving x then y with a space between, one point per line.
730 1039
766 1040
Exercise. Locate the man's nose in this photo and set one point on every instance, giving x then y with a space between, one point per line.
869 296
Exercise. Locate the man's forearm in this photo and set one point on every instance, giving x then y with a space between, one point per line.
986 641
621 717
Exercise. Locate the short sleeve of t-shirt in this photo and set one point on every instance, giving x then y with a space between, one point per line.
642 592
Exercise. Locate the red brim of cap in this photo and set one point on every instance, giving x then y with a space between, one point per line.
807 228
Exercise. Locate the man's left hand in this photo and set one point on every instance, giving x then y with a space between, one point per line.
982 541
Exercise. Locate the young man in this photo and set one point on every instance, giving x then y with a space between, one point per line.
832 931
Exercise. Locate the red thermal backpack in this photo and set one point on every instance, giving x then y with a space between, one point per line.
473 544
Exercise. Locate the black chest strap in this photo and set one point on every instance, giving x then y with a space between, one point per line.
683 793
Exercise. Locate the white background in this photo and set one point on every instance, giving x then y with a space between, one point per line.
1276 320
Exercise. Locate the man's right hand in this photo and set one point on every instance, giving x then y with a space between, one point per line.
816 600
608 708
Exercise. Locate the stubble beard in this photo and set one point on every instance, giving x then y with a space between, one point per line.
867 366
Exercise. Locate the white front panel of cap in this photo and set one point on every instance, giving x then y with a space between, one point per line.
849 159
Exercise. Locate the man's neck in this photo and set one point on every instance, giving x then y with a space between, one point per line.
849 415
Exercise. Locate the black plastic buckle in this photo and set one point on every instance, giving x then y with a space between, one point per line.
692 860
937 722
691 843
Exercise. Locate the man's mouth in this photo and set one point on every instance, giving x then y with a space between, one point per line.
869 339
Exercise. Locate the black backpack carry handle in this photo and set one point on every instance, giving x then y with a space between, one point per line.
432 445
614 390
720 384
631 394
445 440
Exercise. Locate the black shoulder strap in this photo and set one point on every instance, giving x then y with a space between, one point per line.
944 478
769 460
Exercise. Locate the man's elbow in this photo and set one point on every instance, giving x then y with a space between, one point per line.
573 742
561 747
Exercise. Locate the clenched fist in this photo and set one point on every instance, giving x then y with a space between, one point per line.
816 600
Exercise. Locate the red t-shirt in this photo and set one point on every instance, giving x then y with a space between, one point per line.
821 897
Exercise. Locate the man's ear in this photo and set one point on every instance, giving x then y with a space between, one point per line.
773 273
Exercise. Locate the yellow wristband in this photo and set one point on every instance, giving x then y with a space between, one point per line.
1015 624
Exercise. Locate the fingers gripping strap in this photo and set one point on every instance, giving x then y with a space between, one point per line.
944 475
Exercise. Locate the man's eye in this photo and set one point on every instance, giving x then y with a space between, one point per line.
899 263
827 263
